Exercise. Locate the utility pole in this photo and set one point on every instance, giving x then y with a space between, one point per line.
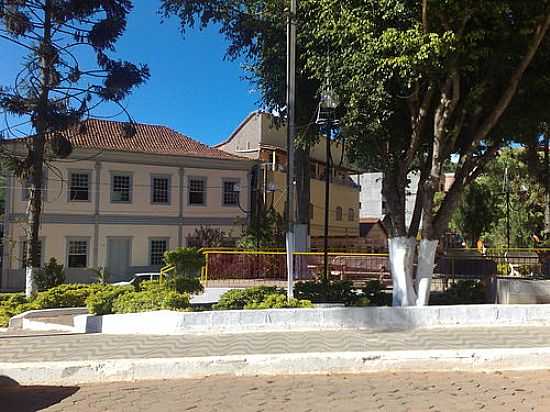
291 135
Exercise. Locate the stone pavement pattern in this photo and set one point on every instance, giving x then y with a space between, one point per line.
445 392
69 347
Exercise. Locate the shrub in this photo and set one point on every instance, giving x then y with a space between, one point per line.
188 261
66 296
14 305
50 275
101 275
238 298
463 292
374 292
362 301
278 301
101 302
340 291
150 300
182 284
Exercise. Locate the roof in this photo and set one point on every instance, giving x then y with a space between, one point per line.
109 135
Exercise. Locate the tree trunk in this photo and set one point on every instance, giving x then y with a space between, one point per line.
401 254
34 210
425 270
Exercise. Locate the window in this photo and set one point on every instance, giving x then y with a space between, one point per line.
351 215
121 190
157 247
160 190
79 189
197 191
230 194
77 254
23 253
339 214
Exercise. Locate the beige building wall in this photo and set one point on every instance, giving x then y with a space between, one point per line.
99 219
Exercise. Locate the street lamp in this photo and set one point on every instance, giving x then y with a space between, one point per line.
326 118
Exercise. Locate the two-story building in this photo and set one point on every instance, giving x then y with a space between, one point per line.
259 138
119 202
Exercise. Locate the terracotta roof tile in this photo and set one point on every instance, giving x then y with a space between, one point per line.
149 139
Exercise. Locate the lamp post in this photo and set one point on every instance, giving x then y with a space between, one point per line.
327 107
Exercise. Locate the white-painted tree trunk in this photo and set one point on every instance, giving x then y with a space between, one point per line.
30 283
401 255
425 270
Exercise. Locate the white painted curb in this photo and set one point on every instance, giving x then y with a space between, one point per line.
370 318
103 371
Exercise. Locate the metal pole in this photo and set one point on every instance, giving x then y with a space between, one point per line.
327 201
507 186
291 134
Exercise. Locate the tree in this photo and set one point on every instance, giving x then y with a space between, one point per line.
477 212
256 31
421 81
53 92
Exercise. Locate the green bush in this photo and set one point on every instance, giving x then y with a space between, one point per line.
14 305
182 284
150 300
278 301
188 261
237 299
101 302
339 291
50 276
375 293
66 296
463 292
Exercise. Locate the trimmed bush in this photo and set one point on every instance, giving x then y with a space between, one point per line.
237 299
182 284
278 301
101 302
150 300
339 291
66 296
50 276
188 261
375 293
14 305
463 292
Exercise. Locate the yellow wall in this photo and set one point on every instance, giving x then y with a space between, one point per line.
340 195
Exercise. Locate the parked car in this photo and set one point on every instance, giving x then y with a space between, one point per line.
138 278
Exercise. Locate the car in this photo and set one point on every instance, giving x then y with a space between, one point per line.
138 278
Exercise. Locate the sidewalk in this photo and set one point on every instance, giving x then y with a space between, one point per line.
71 359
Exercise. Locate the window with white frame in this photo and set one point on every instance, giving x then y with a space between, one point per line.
338 214
157 247
230 193
160 189
77 253
351 215
197 191
79 189
121 189
23 254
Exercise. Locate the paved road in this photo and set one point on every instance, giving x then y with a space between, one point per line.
512 391
100 347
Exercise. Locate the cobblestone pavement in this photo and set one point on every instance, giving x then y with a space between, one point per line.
510 391
100 347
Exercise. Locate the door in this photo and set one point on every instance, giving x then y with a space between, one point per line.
118 258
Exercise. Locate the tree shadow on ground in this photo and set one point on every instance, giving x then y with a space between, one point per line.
18 398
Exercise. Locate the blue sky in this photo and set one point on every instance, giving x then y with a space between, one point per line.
192 88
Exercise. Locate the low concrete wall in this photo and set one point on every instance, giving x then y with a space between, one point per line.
374 318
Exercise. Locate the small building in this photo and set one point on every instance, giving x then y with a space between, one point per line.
258 137
119 202
374 233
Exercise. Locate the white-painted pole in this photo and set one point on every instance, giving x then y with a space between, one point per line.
291 134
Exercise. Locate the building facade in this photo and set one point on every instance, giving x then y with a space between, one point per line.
119 202
259 138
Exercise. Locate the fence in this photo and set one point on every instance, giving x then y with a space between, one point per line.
246 267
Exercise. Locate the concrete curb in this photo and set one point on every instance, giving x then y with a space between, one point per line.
370 318
118 370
